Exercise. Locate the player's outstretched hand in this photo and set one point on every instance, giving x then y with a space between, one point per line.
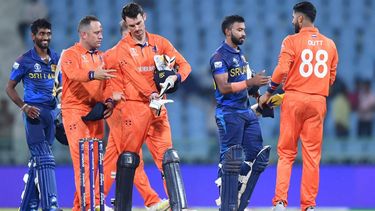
259 79
103 74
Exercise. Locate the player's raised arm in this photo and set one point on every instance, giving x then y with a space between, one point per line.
70 67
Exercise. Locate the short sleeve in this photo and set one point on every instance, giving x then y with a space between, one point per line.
218 65
18 70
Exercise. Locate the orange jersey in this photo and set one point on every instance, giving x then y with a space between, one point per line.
135 65
307 62
79 92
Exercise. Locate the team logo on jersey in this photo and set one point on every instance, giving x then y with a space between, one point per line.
84 58
235 61
218 65
37 68
155 49
133 52
53 67
16 65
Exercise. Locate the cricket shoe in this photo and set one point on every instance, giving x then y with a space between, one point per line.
162 205
311 208
279 206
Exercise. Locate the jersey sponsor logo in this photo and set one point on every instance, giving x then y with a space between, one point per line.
16 65
133 52
41 75
238 71
146 68
218 64
37 68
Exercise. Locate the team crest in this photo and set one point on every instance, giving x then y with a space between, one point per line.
53 67
84 58
133 52
235 61
37 68
155 49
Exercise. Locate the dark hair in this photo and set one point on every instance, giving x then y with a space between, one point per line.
131 10
306 8
86 21
230 20
39 24
123 26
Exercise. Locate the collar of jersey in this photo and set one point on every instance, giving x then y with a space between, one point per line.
150 40
36 56
309 29
83 50
230 49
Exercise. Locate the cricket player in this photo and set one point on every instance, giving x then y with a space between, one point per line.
307 62
134 120
36 68
84 83
242 155
152 201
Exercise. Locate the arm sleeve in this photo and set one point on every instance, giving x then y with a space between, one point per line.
184 67
218 65
70 67
332 73
286 58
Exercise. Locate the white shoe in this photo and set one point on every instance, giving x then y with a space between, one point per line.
311 208
106 208
279 206
162 205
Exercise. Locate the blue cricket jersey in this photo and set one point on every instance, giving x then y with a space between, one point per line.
38 77
232 62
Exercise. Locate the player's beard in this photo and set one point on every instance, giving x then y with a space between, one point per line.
237 41
41 45
296 28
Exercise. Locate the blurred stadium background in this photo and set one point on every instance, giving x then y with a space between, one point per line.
193 26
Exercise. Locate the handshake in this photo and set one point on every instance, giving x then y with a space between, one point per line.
266 110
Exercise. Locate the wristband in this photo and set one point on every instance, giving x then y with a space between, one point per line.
91 75
272 87
24 107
